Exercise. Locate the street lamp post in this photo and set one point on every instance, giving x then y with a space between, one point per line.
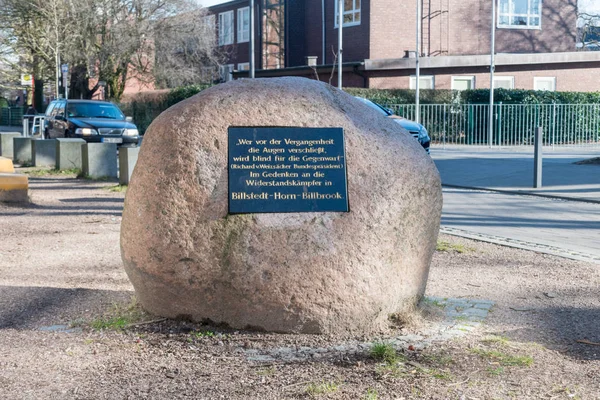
340 23
418 66
492 70
252 66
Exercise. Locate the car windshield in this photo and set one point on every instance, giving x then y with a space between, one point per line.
94 110
376 106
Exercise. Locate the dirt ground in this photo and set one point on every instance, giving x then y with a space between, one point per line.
70 328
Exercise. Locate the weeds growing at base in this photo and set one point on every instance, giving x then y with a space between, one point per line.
119 317
41 172
117 188
452 247
317 389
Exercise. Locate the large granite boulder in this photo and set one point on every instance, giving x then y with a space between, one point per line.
285 272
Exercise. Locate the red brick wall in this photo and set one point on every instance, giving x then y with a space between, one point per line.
469 26
463 27
355 38
582 77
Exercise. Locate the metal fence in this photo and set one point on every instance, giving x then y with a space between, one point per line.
514 125
11 116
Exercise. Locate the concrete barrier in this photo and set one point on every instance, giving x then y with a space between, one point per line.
22 150
6 143
99 160
43 152
68 153
6 165
127 159
14 188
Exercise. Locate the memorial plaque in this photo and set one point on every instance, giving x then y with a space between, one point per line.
286 170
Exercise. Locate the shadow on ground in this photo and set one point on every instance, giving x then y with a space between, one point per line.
31 308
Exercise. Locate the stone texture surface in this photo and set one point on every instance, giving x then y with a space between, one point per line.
6 143
43 152
22 150
127 159
293 272
99 160
68 153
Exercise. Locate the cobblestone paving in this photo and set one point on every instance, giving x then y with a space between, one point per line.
462 316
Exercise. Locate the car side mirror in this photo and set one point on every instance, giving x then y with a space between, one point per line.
60 117
129 119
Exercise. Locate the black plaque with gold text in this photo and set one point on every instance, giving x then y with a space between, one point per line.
284 169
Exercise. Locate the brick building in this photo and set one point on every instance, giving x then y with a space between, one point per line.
536 43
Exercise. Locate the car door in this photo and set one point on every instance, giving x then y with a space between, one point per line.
59 124
48 119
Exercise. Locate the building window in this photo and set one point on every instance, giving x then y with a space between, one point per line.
225 72
463 82
226 28
425 82
351 13
504 82
544 83
243 24
520 14
243 67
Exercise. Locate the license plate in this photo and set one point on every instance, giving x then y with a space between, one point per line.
112 140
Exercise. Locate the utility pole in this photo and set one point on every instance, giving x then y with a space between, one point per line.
252 66
418 66
492 70
340 23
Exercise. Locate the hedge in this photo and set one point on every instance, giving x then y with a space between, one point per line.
144 107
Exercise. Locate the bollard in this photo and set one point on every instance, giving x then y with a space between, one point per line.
99 160
127 159
537 158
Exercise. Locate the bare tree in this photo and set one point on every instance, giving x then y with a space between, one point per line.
185 49
108 40
588 31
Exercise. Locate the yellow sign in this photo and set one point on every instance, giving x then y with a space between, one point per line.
26 80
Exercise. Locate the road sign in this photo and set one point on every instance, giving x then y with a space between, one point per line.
64 68
26 80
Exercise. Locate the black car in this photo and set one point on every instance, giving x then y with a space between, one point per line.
92 120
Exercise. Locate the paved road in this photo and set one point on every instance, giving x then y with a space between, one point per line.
568 227
553 226
512 169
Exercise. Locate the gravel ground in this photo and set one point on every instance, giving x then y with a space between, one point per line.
70 328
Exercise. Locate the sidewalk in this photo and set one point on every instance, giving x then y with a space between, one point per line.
511 170
546 224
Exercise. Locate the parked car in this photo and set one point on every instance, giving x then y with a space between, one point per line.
92 120
417 131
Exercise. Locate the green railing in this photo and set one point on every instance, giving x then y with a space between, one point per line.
11 116
514 124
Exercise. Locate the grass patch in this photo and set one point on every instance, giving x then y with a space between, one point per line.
371 395
504 359
440 374
117 188
40 172
203 334
318 389
502 340
384 352
120 317
451 247
495 371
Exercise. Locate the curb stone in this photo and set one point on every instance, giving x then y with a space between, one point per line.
521 244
